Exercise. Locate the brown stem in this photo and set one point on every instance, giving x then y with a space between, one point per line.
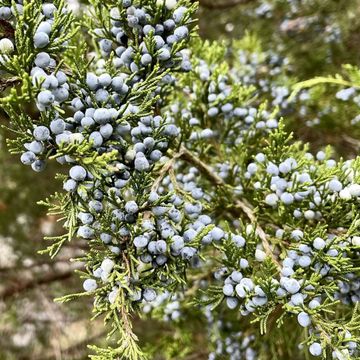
165 170
241 204
206 170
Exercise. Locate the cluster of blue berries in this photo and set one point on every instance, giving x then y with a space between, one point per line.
282 182
146 216
167 305
158 41
106 115
296 185
229 342
224 110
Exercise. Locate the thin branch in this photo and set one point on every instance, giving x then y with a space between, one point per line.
165 169
206 170
241 204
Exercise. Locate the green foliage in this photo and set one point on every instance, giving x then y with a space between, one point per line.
221 135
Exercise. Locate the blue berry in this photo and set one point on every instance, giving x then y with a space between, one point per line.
297 234
319 243
38 165
101 95
57 126
272 169
141 163
41 40
315 349
243 263
131 207
107 265
87 122
36 147
90 285
78 173
217 234
149 294
292 286
232 302
127 3
92 81
181 33
146 59
45 98
297 299
41 133
164 54
160 246
105 80
228 289
177 243
86 218
45 27
305 261
179 13
42 60
96 139
252 168
102 116
271 199
5 13
335 185
245 286
304 319
85 232
188 253
106 131
106 45
49 10
238 240
70 185
28 158
287 198
169 25
141 241
314 304
96 206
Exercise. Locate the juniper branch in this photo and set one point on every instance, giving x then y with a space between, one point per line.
188 156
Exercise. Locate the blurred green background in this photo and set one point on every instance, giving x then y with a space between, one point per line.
279 42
